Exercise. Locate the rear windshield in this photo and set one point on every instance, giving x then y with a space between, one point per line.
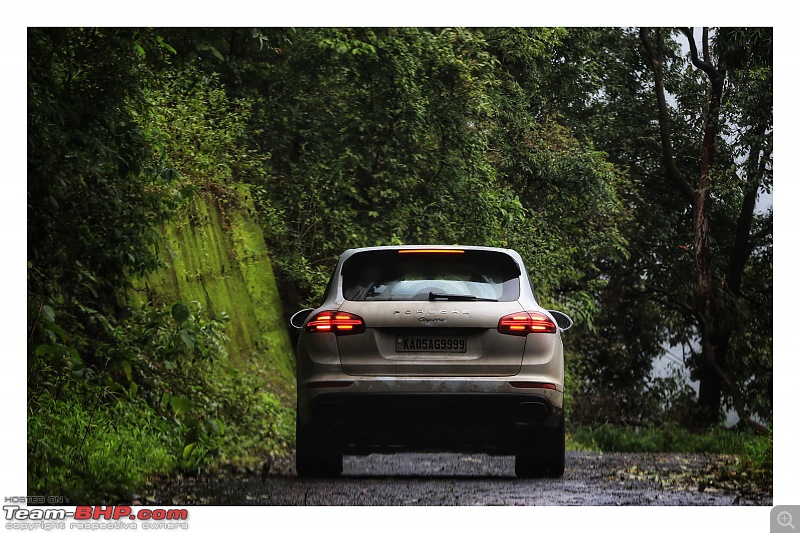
383 275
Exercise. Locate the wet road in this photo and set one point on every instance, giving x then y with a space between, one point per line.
458 479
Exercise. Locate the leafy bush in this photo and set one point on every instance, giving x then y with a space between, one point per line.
753 451
175 402
117 140
742 459
89 449
257 424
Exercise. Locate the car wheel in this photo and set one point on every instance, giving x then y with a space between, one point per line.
542 454
313 459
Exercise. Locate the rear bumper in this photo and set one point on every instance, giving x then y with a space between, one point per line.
364 422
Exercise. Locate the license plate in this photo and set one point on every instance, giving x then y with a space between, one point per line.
432 344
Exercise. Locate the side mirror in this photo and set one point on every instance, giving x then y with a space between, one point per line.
563 321
299 318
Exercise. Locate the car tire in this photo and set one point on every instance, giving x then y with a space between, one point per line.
542 454
311 459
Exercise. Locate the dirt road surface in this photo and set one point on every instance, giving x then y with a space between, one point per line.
460 480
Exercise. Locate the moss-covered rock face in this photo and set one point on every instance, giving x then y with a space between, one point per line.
217 257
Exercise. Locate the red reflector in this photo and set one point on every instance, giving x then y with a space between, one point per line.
329 384
337 323
526 322
531 385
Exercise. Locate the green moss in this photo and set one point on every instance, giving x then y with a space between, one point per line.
217 257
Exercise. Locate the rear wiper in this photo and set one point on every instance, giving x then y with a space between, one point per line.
458 297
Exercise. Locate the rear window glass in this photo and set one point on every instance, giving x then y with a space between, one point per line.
383 275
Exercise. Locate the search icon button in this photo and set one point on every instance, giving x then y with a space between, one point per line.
785 519
781 519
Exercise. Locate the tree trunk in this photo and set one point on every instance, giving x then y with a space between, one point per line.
713 325
710 379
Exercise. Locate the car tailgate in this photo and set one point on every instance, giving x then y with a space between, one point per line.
440 338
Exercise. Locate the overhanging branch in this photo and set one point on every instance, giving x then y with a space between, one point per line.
706 67
667 152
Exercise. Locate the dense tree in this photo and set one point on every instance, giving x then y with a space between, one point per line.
415 135
94 187
118 142
745 170
652 299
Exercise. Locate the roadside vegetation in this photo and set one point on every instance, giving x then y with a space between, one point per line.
635 216
177 406
742 464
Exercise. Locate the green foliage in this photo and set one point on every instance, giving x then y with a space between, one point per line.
753 451
652 439
199 131
649 299
91 399
84 447
118 141
756 453
85 113
741 462
410 135
216 411
179 333
179 346
94 197
179 404
258 424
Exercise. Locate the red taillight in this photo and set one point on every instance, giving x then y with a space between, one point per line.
336 322
526 322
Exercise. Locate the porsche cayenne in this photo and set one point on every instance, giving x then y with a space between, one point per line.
430 348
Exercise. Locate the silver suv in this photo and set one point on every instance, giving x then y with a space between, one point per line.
430 348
